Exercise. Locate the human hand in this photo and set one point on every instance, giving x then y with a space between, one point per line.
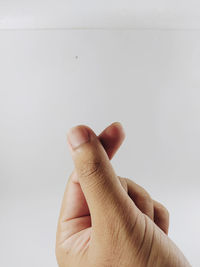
106 220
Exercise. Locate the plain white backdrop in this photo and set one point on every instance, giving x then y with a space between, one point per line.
31 14
51 80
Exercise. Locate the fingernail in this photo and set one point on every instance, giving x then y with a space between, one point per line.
77 136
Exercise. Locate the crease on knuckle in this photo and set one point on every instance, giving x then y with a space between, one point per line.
90 168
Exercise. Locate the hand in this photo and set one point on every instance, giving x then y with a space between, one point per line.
106 220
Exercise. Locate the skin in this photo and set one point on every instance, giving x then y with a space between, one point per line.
107 220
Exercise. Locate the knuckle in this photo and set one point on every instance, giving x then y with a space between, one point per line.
163 210
166 212
144 197
92 174
90 168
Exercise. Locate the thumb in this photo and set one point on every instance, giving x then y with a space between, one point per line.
99 183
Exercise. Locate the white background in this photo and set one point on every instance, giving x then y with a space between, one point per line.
53 79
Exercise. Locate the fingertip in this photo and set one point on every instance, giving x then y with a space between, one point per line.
121 129
116 129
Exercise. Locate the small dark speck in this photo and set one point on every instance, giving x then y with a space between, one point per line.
76 57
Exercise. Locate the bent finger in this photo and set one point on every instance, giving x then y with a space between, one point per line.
161 216
140 197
